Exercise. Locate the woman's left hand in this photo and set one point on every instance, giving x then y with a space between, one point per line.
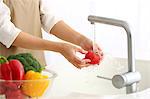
88 45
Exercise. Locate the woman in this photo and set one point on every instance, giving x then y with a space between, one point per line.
20 31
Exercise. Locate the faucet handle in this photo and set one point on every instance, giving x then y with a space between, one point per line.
106 78
120 81
126 79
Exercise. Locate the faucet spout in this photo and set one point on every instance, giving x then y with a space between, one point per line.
123 24
131 60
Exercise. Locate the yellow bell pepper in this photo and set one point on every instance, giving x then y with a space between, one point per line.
35 85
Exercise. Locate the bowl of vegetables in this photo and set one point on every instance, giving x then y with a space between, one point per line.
23 77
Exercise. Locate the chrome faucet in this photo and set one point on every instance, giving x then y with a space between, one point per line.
132 77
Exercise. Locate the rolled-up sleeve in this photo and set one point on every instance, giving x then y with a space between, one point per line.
48 20
8 31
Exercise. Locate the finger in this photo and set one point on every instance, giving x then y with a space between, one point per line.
82 51
99 52
86 61
102 56
85 65
81 63
75 64
97 47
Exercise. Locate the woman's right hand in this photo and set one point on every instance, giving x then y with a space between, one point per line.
69 52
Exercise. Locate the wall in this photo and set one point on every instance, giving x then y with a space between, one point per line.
111 39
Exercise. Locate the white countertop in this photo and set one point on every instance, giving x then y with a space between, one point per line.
140 95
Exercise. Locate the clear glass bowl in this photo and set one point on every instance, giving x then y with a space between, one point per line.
27 89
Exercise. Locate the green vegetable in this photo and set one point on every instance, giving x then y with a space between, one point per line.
29 62
3 59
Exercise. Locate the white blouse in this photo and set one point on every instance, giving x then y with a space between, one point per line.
8 31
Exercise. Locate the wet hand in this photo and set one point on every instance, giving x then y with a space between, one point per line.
88 45
69 52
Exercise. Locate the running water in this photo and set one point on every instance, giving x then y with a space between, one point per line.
94 36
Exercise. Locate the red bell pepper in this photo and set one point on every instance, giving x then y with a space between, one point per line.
14 94
2 89
95 58
17 69
12 70
5 71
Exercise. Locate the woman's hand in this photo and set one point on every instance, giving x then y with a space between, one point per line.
69 52
88 45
